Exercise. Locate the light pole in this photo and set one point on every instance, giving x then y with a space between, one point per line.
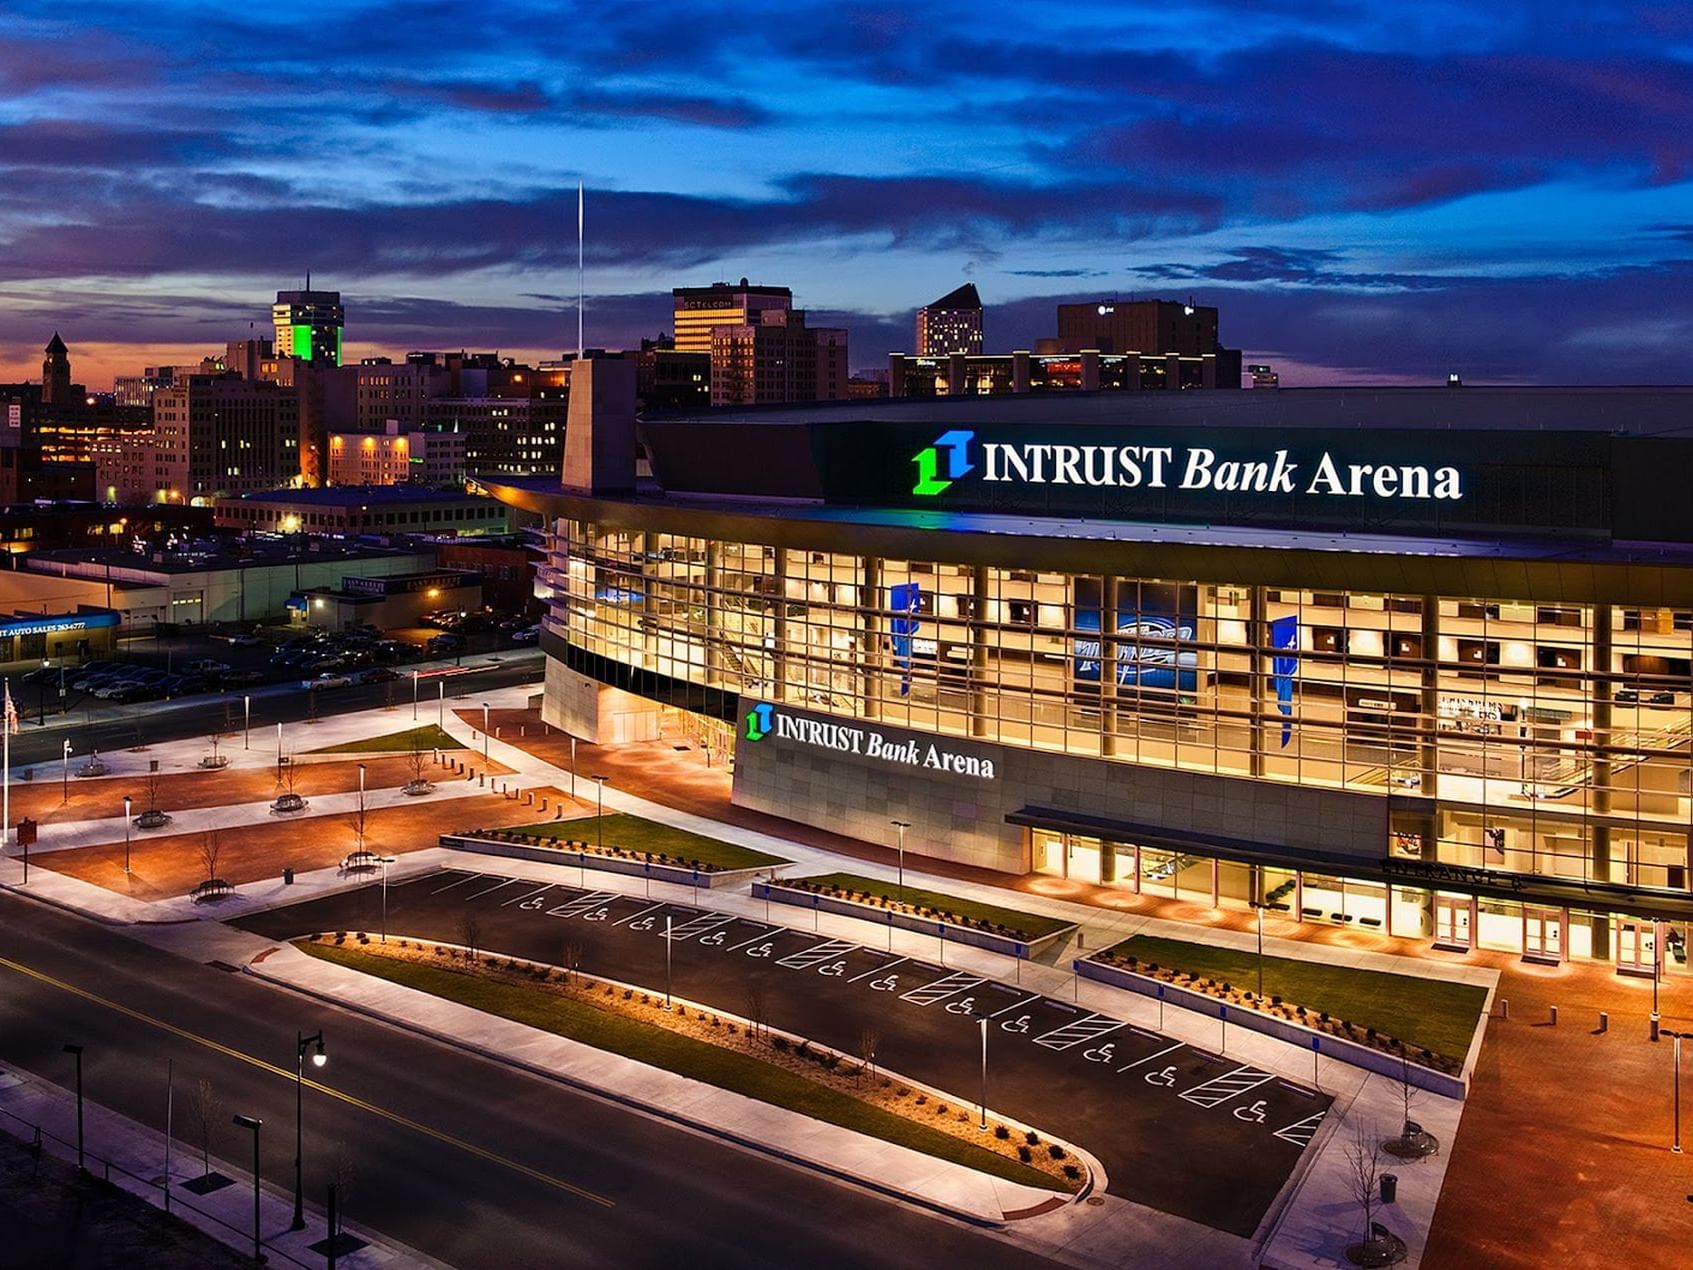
75 1051
1676 1038
247 721
301 1044
386 861
441 703
1657 964
901 826
484 731
414 696
984 1125
361 806
126 833
667 961
67 796
599 814
572 769
41 719
253 1123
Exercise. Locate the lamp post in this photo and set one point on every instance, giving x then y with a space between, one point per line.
901 826
247 721
67 796
301 1044
484 731
253 1123
361 806
386 861
75 1051
1657 965
414 696
41 719
572 769
1675 1084
984 1125
126 823
599 814
441 703
279 750
667 961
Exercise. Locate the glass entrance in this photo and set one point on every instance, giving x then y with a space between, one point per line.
1637 947
1543 934
1454 922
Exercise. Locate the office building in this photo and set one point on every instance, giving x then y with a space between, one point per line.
1410 662
416 454
699 310
308 325
351 511
220 434
952 324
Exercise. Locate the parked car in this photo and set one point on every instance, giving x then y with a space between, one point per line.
377 675
527 635
243 678
205 666
326 681
439 644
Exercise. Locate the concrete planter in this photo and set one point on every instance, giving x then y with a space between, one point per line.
1365 1056
569 855
152 819
416 789
906 921
289 805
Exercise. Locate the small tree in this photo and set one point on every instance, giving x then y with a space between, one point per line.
758 1009
343 1176
572 957
470 931
388 702
205 1109
1363 1183
211 847
417 760
155 784
1413 1142
868 1039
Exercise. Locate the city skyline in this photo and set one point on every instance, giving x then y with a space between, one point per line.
1367 193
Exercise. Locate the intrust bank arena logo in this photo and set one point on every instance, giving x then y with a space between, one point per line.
759 722
942 463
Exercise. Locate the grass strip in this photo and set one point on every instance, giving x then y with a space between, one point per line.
633 833
1032 924
426 737
659 1047
1432 1013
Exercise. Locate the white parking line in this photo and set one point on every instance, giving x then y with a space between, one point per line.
942 988
876 970
632 916
1150 1057
584 902
805 958
1014 1005
701 925
1088 1029
763 934
542 891
468 877
489 889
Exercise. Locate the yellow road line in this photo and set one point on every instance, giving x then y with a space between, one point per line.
391 1116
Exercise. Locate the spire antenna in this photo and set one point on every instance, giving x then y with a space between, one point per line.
581 291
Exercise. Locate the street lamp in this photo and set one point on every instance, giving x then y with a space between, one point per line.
253 1123
126 833
361 807
901 826
247 722
984 1125
484 731
441 706
599 814
386 861
41 719
67 796
414 696
76 1052
572 769
301 1044
1676 1037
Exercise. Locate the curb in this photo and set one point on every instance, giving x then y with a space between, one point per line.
659 1113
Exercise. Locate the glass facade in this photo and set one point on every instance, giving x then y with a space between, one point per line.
1537 738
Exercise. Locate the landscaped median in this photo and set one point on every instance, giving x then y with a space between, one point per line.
623 844
1402 1025
718 1049
425 737
1005 930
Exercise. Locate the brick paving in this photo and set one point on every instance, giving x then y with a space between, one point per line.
1563 1154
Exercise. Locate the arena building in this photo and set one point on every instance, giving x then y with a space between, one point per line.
1417 662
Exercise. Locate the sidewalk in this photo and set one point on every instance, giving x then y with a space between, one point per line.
132 1157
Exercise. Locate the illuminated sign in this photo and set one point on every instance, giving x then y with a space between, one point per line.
765 721
59 625
1194 469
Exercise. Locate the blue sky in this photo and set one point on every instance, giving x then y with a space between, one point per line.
1369 192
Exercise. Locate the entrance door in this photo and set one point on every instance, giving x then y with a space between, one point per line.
1543 934
1454 922
1637 947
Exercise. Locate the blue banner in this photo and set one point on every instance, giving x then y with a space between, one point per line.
1284 634
1160 666
905 599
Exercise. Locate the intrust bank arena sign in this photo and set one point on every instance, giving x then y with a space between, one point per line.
765 722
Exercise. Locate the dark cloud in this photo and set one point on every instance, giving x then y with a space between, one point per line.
1302 267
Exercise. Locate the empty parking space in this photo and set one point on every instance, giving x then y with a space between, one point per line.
1190 1132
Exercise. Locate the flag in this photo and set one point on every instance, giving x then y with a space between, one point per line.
11 712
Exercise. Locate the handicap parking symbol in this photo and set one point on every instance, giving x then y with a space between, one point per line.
532 905
598 915
714 939
1100 1054
1166 1078
834 970
1253 1114
966 1006
762 950
1018 1024
885 985
646 923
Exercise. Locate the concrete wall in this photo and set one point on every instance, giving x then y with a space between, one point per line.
587 708
961 817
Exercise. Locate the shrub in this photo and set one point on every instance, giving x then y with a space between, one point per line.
940 1109
440 951
1025 1155
779 1041
628 994
1055 1151
922 1098
1031 1137
1275 1000
1072 1172
1001 1132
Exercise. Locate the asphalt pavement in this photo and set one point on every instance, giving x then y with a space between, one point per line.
463 1158
1183 1130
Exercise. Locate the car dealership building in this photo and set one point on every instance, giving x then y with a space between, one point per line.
1417 662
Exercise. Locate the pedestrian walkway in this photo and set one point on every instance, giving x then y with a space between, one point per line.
133 1157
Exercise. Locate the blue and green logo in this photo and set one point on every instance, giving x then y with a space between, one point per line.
760 720
942 463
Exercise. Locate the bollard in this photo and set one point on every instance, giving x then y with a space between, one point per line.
543 804
480 780
1604 1020
1654 1022
1554 1019
1504 1007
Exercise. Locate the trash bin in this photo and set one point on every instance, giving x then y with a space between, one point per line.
1389 1187
288 877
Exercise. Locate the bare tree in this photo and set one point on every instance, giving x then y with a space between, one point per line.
211 847
205 1109
155 783
470 935
1414 1142
758 1009
572 956
868 1039
343 1176
388 704
1379 1246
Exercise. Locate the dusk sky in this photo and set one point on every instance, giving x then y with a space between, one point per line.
1369 192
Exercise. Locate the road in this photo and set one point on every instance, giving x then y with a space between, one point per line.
465 1159
99 726
1192 1133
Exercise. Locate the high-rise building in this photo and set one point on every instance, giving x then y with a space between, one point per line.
399 390
952 324
700 309
400 454
1137 326
56 386
220 434
777 359
308 325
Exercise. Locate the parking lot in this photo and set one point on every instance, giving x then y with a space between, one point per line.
1177 1128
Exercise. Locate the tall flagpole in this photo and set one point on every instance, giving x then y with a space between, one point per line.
580 290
